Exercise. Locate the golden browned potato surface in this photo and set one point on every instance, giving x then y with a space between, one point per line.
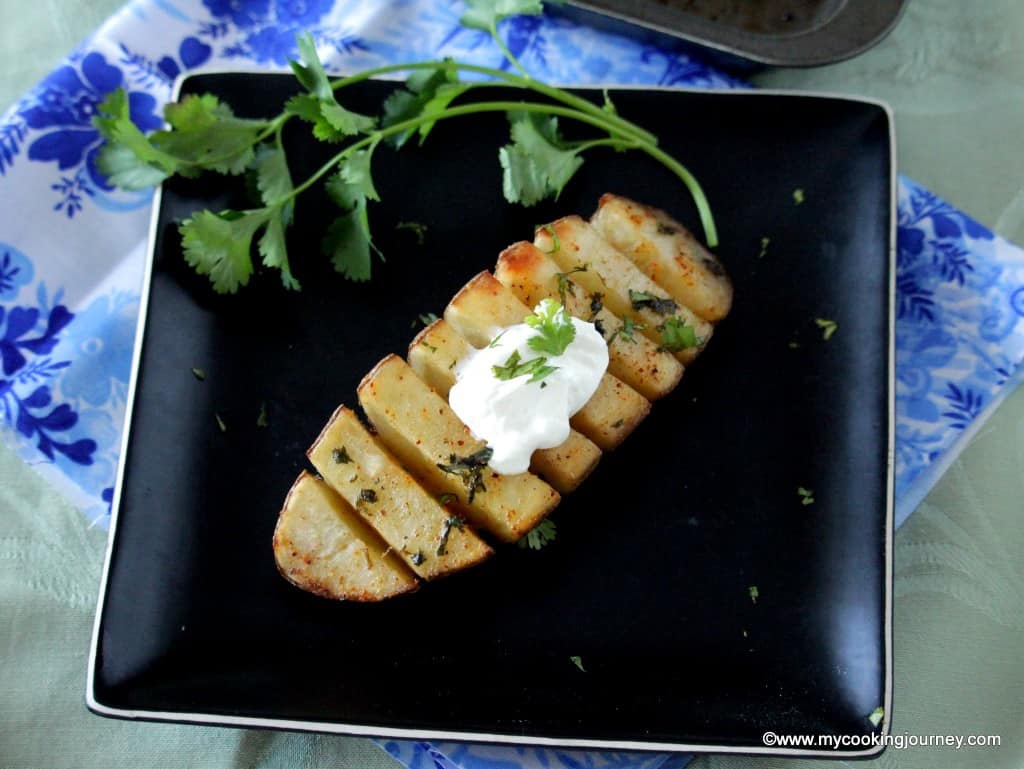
666 252
419 427
408 517
532 276
323 546
618 280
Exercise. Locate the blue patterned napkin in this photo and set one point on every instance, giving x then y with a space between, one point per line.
72 250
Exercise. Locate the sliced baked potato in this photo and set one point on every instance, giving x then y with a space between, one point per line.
429 538
421 430
532 276
484 306
625 289
322 545
433 355
666 252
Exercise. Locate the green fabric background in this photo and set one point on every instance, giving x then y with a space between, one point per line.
954 74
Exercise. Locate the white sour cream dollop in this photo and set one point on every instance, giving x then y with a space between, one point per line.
516 416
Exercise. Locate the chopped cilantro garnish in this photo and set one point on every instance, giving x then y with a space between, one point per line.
199 374
340 456
428 345
470 469
554 327
419 230
578 662
828 327
514 366
424 319
676 335
806 495
754 593
446 499
451 522
876 715
798 196
220 423
626 330
656 304
565 285
596 303
765 242
494 342
542 534
261 418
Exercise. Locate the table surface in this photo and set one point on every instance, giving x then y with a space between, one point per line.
954 75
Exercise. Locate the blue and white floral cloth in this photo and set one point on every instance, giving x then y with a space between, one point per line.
72 248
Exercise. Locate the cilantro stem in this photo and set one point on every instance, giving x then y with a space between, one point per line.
616 139
618 144
518 81
511 57
453 112
707 219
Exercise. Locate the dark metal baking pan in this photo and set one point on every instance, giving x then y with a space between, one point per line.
736 33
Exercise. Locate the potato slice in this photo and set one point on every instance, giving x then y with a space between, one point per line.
635 359
666 252
322 546
484 306
433 355
421 429
407 517
614 276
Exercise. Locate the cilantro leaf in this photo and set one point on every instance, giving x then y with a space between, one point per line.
273 179
272 246
427 92
485 14
310 71
353 179
538 164
555 329
274 183
542 534
348 241
123 168
127 158
218 245
206 134
331 121
676 335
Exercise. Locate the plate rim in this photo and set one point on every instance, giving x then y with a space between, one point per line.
94 705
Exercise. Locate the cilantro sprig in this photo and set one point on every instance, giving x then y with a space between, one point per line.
554 333
204 135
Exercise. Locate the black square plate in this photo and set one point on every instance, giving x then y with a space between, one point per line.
651 580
